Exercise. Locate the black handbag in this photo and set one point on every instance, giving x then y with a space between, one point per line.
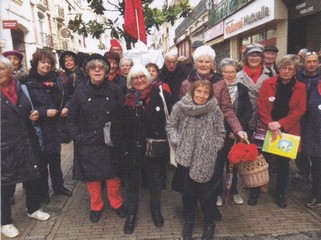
157 148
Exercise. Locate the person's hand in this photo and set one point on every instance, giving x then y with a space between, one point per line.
52 112
274 125
275 134
231 136
34 115
242 134
64 112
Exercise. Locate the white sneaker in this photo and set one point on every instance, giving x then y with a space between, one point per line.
39 215
219 201
9 230
237 199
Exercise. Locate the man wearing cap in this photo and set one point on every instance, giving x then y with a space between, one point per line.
188 64
309 74
116 47
15 58
270 53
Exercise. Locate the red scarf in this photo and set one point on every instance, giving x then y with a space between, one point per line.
10 92
254 75
133 97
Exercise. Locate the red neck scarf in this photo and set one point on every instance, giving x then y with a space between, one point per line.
136 99
10 92
253 74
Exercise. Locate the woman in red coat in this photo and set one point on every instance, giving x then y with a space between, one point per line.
281 105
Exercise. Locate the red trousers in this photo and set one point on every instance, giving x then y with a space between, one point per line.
113 192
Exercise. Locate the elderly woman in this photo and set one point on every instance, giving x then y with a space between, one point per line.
71 77
252 76
243 110
89 110
196 129
204 57
15 58
47 95
19 148
281 105
125 64
141 116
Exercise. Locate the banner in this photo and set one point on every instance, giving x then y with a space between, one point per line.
134 20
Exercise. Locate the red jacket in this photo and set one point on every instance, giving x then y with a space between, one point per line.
297 105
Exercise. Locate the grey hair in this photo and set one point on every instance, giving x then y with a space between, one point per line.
94 61
303 50
226 62
289 60
170 54
204 51
5 61
131 62
136 71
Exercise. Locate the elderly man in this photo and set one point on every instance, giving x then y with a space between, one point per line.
308 74
270 53
116 47
172 74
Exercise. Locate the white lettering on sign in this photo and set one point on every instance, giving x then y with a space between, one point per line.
299 6
307 10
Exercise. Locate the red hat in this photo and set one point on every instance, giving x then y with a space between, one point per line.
16 53
114 43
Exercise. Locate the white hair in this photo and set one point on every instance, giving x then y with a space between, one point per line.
137 70
204 51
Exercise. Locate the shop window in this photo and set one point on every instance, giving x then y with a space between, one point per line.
246 40
259 37
271 33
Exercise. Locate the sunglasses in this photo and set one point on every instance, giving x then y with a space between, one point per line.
310 53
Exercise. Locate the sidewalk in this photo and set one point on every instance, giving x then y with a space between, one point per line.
70 216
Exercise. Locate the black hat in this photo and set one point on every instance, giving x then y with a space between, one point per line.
197 44
271 48
97 56
62 58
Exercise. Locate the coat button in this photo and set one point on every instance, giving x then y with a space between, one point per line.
107 112
95 131
107 98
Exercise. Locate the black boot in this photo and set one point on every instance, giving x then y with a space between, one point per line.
130 224
188 230
254 195
280 201
158 218
95 216
208 233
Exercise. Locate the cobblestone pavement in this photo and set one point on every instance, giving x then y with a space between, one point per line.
266 221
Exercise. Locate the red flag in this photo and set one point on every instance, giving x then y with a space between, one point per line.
134 20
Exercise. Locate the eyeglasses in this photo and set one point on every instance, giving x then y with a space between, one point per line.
310 53
100 67
289 69
254 55
229 72
141 77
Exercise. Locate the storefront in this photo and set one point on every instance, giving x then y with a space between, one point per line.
214 37
262 22
304 25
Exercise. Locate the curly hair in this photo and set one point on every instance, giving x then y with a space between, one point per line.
42 54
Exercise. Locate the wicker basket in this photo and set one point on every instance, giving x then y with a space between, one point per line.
254 174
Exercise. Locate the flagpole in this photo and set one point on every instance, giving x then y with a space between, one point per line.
137 25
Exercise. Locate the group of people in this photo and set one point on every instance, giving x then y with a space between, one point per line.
108 106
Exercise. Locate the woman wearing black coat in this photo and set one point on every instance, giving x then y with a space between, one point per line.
90 109
141 116
19 148
243 109
47 95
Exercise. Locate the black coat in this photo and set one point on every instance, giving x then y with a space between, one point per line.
174 80
132 125
18 141
89 109
43 99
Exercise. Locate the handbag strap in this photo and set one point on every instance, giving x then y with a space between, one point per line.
161 94
25 90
